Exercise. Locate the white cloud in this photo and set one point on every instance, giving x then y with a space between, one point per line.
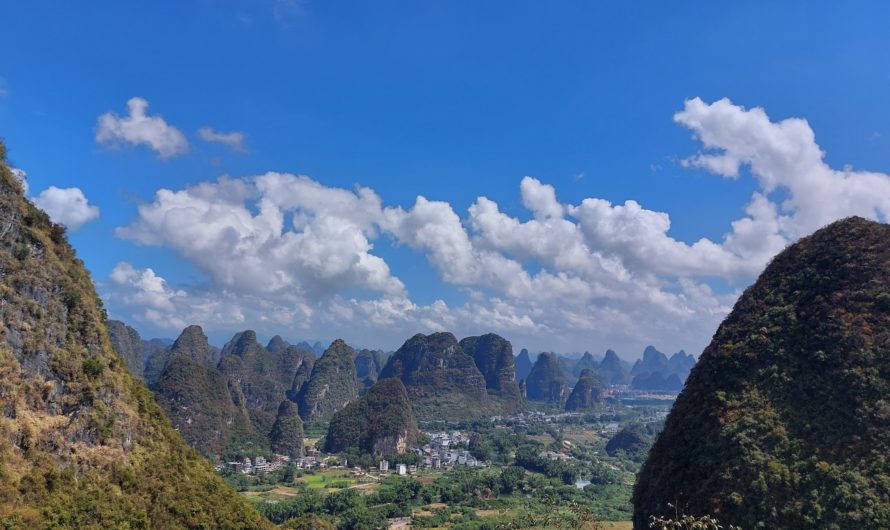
289 242
138 128
286 250
22 178
233 140
783 155
276 235
67 206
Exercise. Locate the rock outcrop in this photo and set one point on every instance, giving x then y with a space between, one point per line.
523 364
262 376
612 370
199 402
368 364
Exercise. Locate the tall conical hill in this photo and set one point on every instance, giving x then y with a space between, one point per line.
784 421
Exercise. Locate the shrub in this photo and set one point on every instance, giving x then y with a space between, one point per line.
93 367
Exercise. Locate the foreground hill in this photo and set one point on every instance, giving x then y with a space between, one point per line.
82 443
785 420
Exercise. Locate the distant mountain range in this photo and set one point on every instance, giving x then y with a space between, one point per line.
654 371
248 398
232 400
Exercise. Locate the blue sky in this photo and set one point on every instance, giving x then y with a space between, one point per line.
451 101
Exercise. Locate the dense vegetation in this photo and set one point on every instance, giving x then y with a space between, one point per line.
380 422
443 382
263 377
332 383
82 443
785 422
286 437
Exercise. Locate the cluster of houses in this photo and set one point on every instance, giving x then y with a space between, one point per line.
259 465
443 451
256 465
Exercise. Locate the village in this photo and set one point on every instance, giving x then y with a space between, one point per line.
444 450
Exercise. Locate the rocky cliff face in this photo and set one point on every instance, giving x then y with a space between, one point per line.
441 379
380 422
546 382
127 343
493 356
157 353
332 383
784 421
587 393
82 443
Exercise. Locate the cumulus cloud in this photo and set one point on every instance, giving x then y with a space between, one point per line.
287 250
67 206
784 155
233 140
138 128
289 242
276 234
